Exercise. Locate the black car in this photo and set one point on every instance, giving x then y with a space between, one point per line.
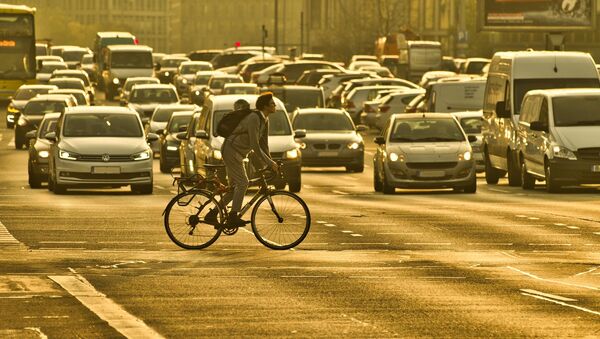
34 112
22 96
39 150
169 144
167 68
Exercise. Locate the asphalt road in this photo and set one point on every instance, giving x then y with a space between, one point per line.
499 263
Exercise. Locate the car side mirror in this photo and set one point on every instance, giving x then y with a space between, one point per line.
379 140
160 131
151 137
471 138
31 134
538 126
501 110
300 133
50 136
201 134
157 66
181 136
362 128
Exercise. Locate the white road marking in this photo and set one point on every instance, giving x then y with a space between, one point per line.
329 225
122 242
340 192
11 143
498 190
104 307
400 233
533 218
62 242
510 255
520 216
37 331
245 230
588 271
351 178
573 227
441 277
159 187
428 243
562 303
491 243
304 276
560 224
364 243
6 239
356 235
308 186
597 233
547 295
533 276
346 231
550 245
321 222
559 234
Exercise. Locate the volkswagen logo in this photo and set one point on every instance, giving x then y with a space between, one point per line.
105 157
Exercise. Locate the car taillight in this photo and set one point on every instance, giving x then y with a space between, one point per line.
384 109
136 41
368 108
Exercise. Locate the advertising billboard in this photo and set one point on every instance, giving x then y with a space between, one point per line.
544 15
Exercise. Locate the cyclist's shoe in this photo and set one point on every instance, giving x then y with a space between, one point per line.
211 217
235 221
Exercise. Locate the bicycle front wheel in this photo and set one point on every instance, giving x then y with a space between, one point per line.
280 220
186 222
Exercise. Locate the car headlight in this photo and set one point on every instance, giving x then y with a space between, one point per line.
301 145
115 81
142 155
167 74
354 145
67 155
197 92
291 154
563 152
43 154
172 148
22 121
12 109
396 157
217 154
465 156
184 81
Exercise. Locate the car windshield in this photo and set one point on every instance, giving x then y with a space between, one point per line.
49 68
87 59
178 122
43 107
171 63
49 125
522 86
576 111
28 93
240 90
426 130
131 60
72 55
300 99
102 125
79 76
164 114
202 79
218 83
323 122
68 84
192 69
145 95
471 125
129 84
278 122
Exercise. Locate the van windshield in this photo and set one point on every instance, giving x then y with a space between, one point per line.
131 60
522 86
576 111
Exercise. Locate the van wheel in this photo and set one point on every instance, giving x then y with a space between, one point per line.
492 175
551 185
527 180
514 170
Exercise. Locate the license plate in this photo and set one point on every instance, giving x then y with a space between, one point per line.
106 170
595 168
431 174
328 154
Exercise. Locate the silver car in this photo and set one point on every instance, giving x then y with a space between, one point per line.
424 150
100 146
471 124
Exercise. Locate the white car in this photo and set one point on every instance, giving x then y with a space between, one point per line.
100 146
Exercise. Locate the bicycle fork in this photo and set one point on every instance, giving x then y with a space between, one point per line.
274 210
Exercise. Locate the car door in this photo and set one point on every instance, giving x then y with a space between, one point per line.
202 146
529 111
540 138
186 151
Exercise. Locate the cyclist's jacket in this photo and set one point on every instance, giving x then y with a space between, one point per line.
251 134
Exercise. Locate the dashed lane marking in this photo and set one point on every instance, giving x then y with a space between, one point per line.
562 303
588 271
573 227
159 187
329 225
533 218
560 224
340 192
520 216
62 242
346 231
364 243
356 235
321 222
429 243
490 243
531 244
547 295
400 233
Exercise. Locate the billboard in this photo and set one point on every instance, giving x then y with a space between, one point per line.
544 15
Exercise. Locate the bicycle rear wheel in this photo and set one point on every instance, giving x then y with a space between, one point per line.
185 219
280 220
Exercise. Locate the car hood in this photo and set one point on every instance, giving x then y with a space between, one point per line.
145 107
331 136
577 137
103 145
188 77
277 143
155 126
429 151
123 73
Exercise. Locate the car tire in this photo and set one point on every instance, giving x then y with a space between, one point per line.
59 189
492 175
527 180
356 168
142 189
295 185
472 187
385 187
34 180
551 185
163 167
377 184
514 170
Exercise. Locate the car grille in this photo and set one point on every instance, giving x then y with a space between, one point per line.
98 158
431 165
589 153
327 146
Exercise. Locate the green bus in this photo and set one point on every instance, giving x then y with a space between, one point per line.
17 48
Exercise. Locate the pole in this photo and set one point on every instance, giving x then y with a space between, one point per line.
301 33
276 34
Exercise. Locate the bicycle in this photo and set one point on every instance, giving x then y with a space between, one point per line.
280 219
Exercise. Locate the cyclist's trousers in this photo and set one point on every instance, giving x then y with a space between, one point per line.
236 174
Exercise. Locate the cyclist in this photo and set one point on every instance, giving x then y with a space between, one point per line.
250 135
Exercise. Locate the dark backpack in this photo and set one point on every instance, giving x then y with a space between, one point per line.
231 120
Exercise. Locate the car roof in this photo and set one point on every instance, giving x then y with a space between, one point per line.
142 78
51 97
226 101
66 91
410 91
565 92
154 86
428 115
53 115
195 63
241 84
226 76
382 87
70 71
55 80
297 88
111 34
175 57
37 86
53 62
99 109
469 114
128 48
178 106
320 111
209 72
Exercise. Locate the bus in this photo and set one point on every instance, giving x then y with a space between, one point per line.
17 48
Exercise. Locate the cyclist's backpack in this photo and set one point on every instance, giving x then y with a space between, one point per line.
231 120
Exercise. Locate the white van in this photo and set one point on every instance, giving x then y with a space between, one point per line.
456 95
558 138
122 62
511 76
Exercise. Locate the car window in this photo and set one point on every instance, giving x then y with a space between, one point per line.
201 79
51 68
192 69
323 122
218 83
543 117
176 122
129 84
48 126
101 125
576 111
522 86
426 130
43 107
163 95
300 99
171 63
72 55
28 93
471 125
131 60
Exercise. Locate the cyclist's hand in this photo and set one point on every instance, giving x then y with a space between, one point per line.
275 167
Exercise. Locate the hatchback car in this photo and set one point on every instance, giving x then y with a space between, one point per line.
394 103
145 98
167 68
331 139
39 150
100 146
169 143
427 150
161 117
20 99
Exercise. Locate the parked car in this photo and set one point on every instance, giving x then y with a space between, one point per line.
362 57
39 150
160 118
130 82
20 99
558 138
186 73
46 69
167 68
82 98
294 96
331 138
427 150
471 124
145 98
394 103
169 143
100 146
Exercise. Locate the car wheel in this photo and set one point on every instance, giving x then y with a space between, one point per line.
142 189
514 170
527 180
295 184
551 185
356 168
492 175
163 167
59 189
387 188
377 184
34 180
472 187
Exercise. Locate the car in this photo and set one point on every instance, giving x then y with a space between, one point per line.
424 151
336 97
313 76
293 70
46 69
89 67
41 58
187 142
312 56
255 64
204 146
39 150
72 55
160 118
68 83
234 57
130 82
382 71
169 143
416 105
79 74
187 72
470 122
21 97
432 76
474 66
240 88
329 82
168 66
199 88
145 98
217 82
362 57
353 101
356 65
41 48
81 97
370 107
558 138
122 62
157 57
204 54
34 112
331 139
100 146
294 96
455 94
394 103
